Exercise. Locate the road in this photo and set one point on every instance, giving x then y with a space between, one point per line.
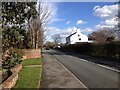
55 75
90 74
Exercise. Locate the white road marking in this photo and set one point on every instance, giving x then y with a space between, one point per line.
71 73
108 68
98 64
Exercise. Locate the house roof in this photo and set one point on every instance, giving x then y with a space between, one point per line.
71 35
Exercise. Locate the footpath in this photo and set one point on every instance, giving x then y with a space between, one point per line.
55 75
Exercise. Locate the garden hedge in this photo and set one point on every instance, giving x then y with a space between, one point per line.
111 49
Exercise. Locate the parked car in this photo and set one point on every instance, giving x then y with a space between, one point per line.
57 47
47 48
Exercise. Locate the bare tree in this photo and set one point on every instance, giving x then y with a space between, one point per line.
102 36
50 44
38 25
44 12
57 38
0 39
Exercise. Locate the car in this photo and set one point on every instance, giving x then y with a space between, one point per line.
47 48
58 46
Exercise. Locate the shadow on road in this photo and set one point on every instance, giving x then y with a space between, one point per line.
101 60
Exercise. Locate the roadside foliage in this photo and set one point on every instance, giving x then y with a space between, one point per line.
110 50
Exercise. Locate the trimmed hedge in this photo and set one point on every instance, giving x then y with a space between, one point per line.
111 50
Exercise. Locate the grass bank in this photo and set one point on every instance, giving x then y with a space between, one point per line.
29 76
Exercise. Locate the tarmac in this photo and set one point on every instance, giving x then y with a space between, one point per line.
55 75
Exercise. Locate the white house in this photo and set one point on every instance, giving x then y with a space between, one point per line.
76 37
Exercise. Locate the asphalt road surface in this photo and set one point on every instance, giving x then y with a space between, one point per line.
55 75
90 74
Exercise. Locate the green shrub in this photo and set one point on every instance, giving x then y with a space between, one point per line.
111 50
13 59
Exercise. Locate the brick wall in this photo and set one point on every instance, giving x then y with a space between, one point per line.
11 81
31 53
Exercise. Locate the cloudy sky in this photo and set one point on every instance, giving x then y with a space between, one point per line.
86 16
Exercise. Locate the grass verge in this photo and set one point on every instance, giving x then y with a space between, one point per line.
33 61
29 77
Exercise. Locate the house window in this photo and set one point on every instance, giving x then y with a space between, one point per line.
79 38
78 35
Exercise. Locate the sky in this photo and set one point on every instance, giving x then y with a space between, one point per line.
66 17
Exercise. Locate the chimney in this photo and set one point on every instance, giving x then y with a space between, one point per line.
78 30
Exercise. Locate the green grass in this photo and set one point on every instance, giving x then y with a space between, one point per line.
29 77
34 61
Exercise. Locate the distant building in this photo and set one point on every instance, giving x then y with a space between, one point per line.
76 37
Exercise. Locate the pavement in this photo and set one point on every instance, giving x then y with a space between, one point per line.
89 73
55 75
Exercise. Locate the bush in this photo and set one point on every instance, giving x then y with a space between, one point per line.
12 59
111 50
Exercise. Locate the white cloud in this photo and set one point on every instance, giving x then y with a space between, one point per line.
52 8
80 22
112 21
71 30
50 32
68 22
64 33
96 7
108 14
56 20
87 30
107 11
100 27
53 16
108 23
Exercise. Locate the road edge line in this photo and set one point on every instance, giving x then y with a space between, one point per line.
70 73
100 65
109 68
103 66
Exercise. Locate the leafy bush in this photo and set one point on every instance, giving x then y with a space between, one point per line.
13 59
111 50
